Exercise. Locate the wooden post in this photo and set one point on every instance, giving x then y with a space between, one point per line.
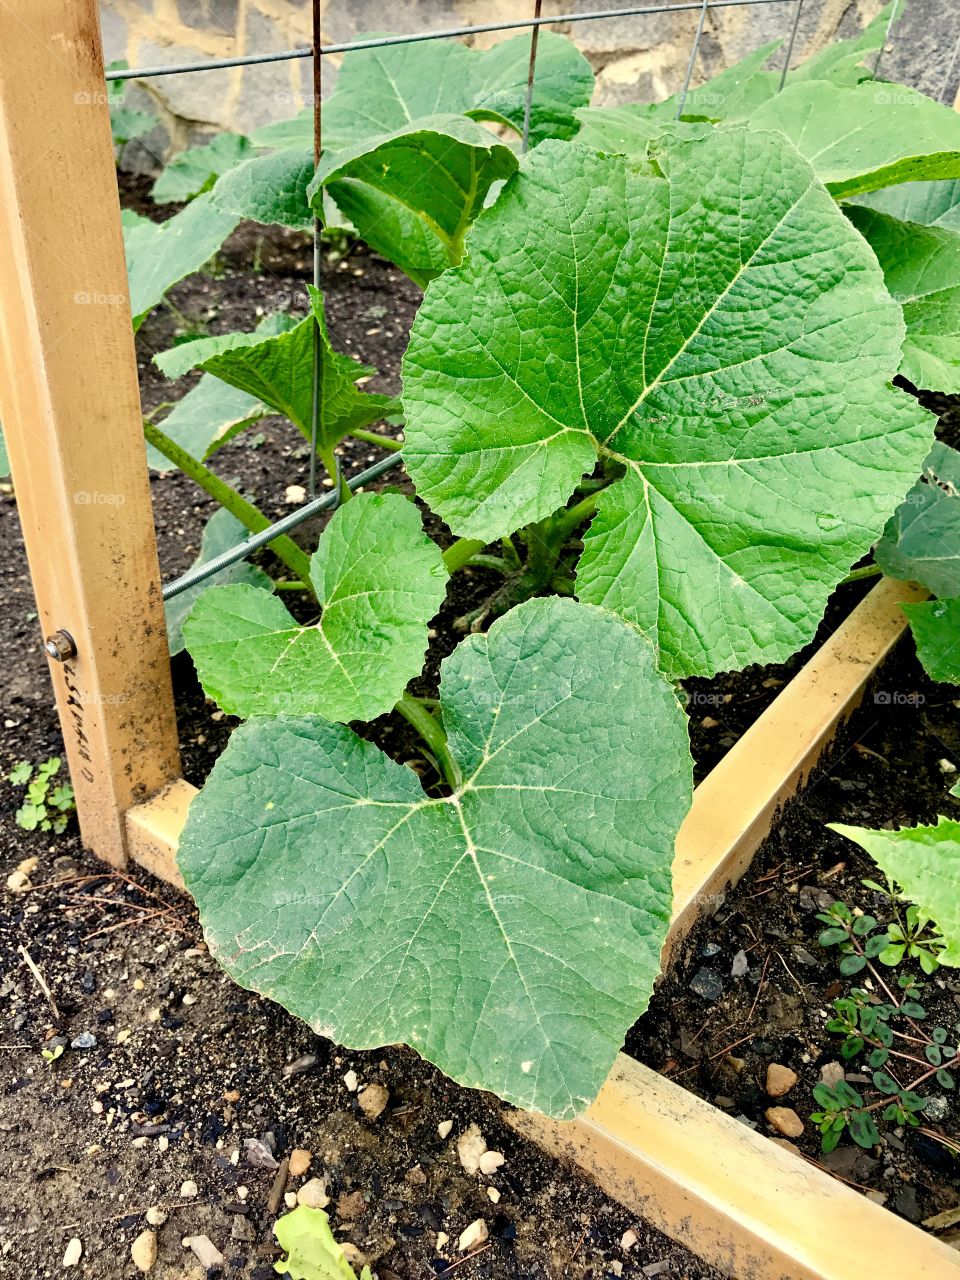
70 407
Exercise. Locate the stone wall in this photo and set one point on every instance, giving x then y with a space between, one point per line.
635 58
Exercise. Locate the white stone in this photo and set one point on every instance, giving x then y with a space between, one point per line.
351 1081
71 1255
470 1147
189 1190
444 1128
491 1161
313 1194
475 1234
143 1251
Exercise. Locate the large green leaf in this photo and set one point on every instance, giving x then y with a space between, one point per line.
269 189
866 136
379 91
921 268
210 414
932 204
413 194
724 334
379 580
936 629
277 368
510 932
922 539
195 170
631 129
221 532
925 863
161 253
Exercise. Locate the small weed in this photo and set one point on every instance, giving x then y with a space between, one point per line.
48 804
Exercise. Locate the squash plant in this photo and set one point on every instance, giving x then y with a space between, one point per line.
655 382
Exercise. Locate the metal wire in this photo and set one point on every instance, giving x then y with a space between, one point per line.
531 73
790 44
694 50
240 552
383 42
886 37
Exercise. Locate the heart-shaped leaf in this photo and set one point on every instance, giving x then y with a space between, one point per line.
221 532
932 204
195 170
925 863
921 268
413 194
269 189
922 539
379 580
721 333
510 932
275 364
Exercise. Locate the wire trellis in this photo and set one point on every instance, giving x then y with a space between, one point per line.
329 501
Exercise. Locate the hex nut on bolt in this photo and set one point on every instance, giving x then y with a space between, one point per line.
61 646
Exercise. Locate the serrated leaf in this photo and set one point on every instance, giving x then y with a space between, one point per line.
630 130
936 630
269 189
921 268
412 194
221 532
866 136
579 328
312 1251
925 862
195 170
379 580
380 90
277 368
922 538
210 414
161 253
511 932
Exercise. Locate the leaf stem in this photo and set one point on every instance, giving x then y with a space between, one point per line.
871 570
461 552
372 437
431 731
249 515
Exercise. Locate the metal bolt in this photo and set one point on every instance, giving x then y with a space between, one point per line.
61 646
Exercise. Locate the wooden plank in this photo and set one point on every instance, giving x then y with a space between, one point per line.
737 803
748 1206
70 406
154 827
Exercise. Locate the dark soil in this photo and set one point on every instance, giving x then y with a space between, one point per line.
186 1065
892 767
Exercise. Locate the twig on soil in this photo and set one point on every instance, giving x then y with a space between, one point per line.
124 924
40 981
576 1247
460 1261
791 974
756 998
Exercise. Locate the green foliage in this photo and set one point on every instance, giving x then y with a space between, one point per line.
196 170
922 539
48 804
511 931
936 629
925 862
931 204
312 1251
413 194
161 253
126 123
526 365
379 580
921 268
206 418
221 532
269 189
275 365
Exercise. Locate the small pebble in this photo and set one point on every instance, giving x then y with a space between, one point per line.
189 1190
831 1073
299 1162
300 1065
470 1147
85 1040
313 1194
491 1161
493 1195
143 1251
372 1100
205 1251
351 1080
71 1255
290 1199
444 1128
156 1216
740 965
628 1240
780 1080
442 1239
475 1234
785 1120
707 984
294 494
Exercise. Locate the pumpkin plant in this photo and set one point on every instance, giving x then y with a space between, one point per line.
651 384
